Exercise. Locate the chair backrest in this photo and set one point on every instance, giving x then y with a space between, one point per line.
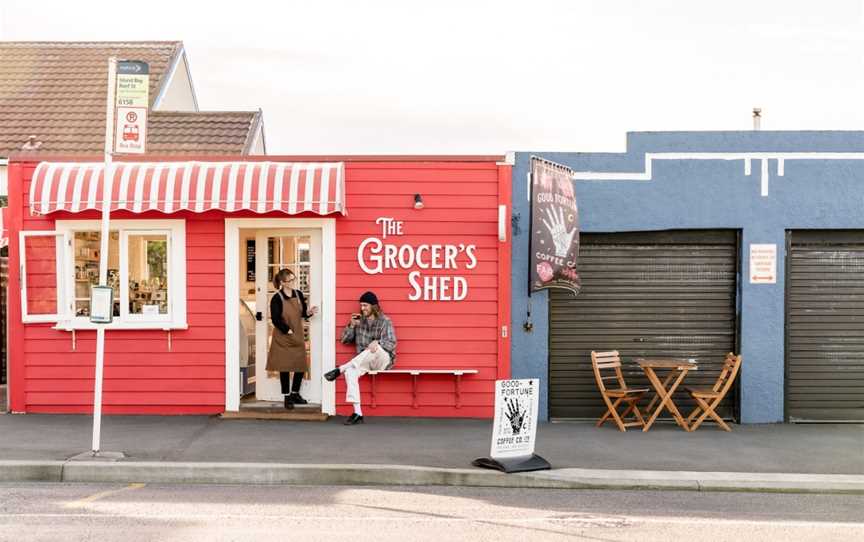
731 365
606 361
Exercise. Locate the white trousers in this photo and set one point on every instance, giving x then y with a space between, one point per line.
362 363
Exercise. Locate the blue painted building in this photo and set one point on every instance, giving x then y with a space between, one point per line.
788 189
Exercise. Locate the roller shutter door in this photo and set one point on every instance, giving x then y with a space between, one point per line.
645 294
825 326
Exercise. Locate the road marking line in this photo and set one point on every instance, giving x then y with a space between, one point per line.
102 494
611 521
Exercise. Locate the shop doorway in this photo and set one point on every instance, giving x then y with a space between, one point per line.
299 251
256 249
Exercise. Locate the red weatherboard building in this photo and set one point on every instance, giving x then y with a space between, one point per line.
192 247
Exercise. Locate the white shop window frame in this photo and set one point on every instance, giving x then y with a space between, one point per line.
176 232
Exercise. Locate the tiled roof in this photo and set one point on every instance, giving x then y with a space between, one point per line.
56 91
203 132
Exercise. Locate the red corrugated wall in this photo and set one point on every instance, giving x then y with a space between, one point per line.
143 377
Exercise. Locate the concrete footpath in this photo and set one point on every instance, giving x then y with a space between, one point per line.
402 451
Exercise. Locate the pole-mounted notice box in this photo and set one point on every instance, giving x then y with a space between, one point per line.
101 304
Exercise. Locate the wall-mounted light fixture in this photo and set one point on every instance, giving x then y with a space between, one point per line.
418 201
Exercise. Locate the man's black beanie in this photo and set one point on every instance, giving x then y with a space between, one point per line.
369 297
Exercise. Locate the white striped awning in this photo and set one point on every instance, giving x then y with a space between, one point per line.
260 187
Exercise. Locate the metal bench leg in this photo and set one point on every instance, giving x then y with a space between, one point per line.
374 403
458 391
414 390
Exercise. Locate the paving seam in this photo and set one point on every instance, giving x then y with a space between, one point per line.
183 445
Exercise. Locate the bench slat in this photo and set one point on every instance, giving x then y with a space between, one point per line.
427 371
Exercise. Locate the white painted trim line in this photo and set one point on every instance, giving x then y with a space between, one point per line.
646 175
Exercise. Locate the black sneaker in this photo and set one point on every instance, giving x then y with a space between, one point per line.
289 403
332 375
297 400
353 419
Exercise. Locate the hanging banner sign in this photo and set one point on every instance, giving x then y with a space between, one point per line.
554 228
132 103
376 255
514 431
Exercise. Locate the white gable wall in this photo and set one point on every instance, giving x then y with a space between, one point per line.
178 94
258 143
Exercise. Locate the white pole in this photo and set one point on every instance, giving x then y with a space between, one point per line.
103 250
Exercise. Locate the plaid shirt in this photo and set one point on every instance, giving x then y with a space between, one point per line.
379 329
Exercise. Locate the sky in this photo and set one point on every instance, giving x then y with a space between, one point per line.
476 77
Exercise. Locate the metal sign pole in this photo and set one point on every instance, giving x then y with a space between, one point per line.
107 186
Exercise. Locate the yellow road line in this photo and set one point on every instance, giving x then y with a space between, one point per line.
102 494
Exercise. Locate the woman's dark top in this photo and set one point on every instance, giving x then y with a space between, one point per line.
276 308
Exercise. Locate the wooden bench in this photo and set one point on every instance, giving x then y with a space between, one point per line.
415 373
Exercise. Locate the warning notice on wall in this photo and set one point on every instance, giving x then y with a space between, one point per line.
763 263
515 427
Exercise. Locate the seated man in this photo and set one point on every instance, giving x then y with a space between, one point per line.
375 338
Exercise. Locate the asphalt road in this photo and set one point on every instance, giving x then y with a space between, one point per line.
132 513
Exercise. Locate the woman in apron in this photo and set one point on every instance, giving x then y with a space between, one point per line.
287 348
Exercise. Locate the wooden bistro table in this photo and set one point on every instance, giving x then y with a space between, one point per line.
678 369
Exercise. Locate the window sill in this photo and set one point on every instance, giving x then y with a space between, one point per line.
162 326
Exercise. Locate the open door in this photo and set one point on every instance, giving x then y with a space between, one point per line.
300 251
42 296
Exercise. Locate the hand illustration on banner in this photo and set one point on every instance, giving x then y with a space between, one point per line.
558 229
516 415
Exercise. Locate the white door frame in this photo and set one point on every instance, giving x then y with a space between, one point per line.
327 304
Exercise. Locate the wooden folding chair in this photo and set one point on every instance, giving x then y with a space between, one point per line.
604 361
707 399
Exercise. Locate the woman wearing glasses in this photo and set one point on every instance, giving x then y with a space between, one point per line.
287 353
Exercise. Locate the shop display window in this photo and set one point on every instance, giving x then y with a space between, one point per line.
147 262
85 252
146 270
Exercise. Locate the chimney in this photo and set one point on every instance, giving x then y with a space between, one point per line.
32 144
757 118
